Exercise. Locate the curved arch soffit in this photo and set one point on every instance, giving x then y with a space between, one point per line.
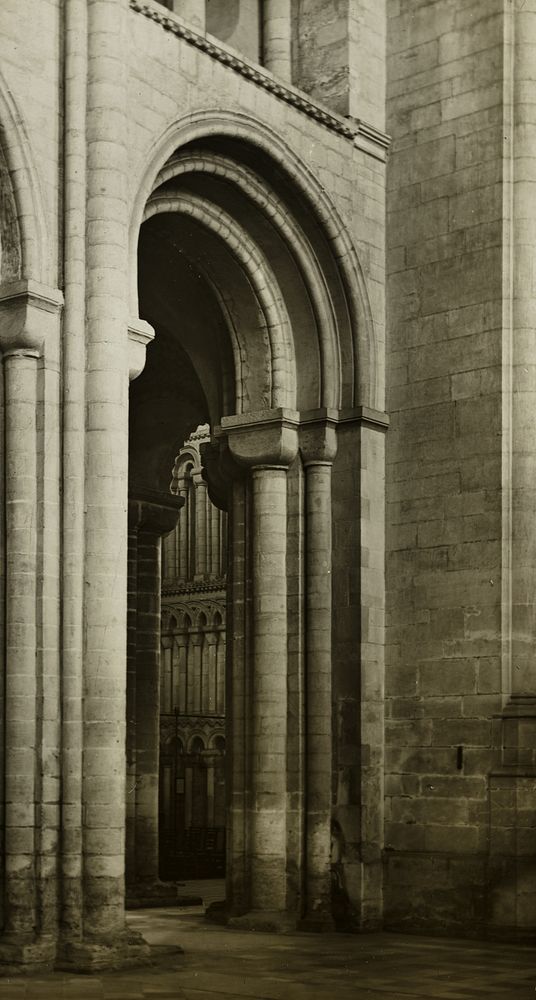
265 197
26 188
234 125
261 278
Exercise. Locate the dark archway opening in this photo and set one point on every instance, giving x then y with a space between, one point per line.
181 390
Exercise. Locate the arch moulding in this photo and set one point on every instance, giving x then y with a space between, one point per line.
237 125
26 190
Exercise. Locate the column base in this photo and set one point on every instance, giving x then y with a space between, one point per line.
271 921
22 956
154 894
119 952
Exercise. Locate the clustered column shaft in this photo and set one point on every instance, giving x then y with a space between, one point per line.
21 766
318 445
267 448
29 317
150 517
268 785
318 688
103 789
236 696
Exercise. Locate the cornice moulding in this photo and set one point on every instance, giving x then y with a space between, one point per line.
363 135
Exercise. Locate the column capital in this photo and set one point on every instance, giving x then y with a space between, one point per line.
153 511
180 483
28 312
263 438
219 469
365 416
318 437
140 335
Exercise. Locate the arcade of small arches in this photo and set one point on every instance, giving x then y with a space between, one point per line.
192 679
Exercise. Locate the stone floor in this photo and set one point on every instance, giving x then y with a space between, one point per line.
220 964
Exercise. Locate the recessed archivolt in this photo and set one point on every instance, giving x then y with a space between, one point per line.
234 390
259 274
182 470
201 125
272 206
22 221
10 239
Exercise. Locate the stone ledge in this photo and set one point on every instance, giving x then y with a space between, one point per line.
365 136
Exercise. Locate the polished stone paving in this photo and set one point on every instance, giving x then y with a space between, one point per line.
221 964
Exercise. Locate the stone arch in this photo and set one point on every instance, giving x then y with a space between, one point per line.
218 165
218 743
22 221
366 374
173 744
226 213
185 462
274 318
196 744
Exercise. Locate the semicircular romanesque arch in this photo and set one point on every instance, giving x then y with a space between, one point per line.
247 156
23 252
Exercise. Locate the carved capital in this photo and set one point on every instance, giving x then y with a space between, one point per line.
154 512
140 335
219 469
318 436
28 313
265 438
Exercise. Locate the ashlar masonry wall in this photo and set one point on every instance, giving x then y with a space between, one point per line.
460 566
115 87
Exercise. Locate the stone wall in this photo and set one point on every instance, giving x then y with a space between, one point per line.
447 230
134 83
303 183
